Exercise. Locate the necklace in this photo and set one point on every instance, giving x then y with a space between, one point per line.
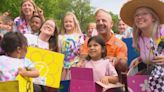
146 48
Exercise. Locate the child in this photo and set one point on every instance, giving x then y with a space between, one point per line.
90 32
35 24
13 63
103 70
69 42
146 19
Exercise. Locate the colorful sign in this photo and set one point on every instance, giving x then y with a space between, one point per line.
21 84
138 83
49 65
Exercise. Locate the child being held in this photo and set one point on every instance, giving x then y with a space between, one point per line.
13 62
103 69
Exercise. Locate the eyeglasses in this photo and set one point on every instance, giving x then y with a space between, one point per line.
141 14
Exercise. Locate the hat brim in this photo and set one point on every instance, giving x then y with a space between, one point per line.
128 10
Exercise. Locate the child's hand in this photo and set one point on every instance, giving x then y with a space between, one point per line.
104 80
134 63
22 72
158 60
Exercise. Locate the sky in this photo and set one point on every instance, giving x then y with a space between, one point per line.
109 5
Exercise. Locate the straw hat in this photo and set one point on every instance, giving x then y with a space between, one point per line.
128 10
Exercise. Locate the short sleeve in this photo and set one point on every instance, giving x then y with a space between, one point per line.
111 71
28 63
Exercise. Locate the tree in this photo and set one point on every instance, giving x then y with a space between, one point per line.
83 11
115 22
56 9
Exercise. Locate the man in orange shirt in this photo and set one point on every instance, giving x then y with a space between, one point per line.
116 49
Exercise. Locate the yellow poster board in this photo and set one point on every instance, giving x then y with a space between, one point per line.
25 84
19 85
49 65
9 86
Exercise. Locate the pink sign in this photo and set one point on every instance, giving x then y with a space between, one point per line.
82 80
138 83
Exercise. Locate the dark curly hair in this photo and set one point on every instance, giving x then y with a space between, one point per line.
12 40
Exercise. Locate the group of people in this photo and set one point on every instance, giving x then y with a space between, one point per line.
100 50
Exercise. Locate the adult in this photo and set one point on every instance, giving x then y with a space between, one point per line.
124 31
116 49
145 16
22 22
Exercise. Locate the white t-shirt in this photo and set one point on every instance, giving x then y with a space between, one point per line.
33 40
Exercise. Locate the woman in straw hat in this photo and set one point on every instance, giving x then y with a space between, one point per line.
146 17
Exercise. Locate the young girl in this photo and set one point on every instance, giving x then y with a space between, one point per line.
14 63
69 42
22 22
146 19
103 69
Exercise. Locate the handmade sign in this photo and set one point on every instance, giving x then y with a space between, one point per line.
21 84
138 83
49 65
109 87
82 80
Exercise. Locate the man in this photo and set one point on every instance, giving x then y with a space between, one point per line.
116 49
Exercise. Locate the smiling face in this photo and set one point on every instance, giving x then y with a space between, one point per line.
35 23
143 18
91 27
122 27
69 23
48 28
27 8
103 23
94 50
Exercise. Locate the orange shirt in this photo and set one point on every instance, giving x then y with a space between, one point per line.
115 48
84 47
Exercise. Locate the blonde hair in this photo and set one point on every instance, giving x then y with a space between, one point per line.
91 24
77 28
154 32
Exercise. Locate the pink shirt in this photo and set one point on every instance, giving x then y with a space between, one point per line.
146 53
101 68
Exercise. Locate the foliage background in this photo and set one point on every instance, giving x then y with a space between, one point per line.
57 8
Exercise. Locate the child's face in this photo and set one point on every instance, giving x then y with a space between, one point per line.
94 50
122 26
143 18
23 51
35 23
69 23
91 27
48 28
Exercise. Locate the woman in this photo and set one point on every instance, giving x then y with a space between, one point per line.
145 16
22 22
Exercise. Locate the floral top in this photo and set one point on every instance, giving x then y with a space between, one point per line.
148 47
22 26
